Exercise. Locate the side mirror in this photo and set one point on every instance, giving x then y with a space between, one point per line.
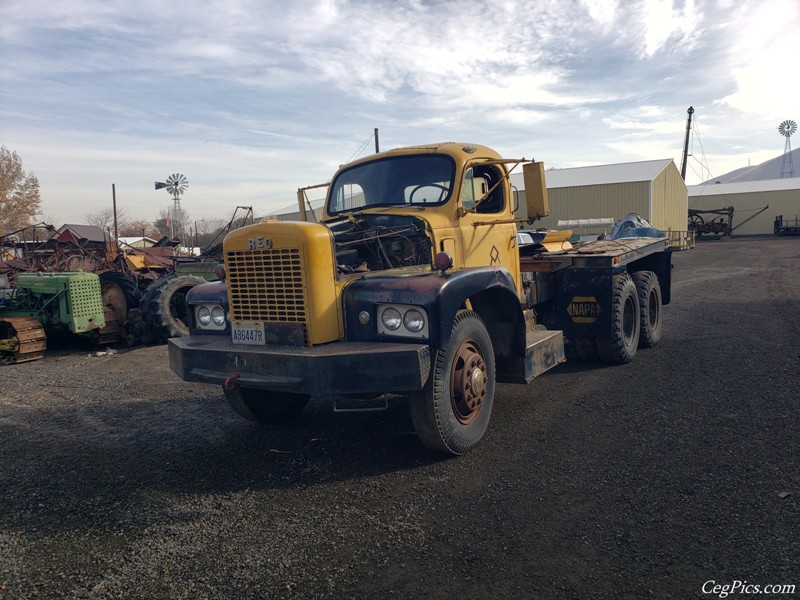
535 190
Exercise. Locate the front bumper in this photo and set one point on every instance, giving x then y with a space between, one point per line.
335 368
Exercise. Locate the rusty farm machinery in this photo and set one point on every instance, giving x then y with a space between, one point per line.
59 283
717 221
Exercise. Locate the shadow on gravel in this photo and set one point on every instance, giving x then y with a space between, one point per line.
68 457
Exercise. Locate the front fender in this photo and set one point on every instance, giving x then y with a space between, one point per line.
215 292
441 295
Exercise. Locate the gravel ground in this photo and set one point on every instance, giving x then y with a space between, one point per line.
639 481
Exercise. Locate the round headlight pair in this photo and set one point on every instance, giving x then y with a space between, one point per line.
413 319
206 316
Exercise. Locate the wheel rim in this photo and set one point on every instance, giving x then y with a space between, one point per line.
629 321
114 298
468 382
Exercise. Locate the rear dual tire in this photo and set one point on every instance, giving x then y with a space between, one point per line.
636 321
620 346
649 292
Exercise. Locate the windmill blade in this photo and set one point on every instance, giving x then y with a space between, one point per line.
787 128
177 184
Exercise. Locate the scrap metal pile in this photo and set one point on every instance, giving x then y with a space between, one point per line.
140 291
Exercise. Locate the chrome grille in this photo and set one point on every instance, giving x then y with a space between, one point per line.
267 285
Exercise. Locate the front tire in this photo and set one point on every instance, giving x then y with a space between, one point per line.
623 339
269 407
451 413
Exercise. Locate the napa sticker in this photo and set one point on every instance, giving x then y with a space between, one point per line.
583 309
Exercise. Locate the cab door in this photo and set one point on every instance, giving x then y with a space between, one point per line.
485 241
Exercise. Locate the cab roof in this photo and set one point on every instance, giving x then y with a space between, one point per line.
461 152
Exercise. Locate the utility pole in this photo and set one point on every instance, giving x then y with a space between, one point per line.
114 201
686 143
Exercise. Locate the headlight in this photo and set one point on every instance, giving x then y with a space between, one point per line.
414 320
402 320
391 318
218 316
210 317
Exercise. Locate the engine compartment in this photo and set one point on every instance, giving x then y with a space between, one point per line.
374 242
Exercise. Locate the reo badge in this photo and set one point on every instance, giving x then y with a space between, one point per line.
259 243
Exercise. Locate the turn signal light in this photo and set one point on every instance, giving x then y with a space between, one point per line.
443 261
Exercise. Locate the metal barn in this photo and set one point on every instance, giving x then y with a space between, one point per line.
653 189
782 196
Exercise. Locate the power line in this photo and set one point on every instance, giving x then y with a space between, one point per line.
360 148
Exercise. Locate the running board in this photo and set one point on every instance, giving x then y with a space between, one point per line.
544 350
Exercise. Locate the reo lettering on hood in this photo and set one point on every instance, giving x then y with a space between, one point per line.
259 243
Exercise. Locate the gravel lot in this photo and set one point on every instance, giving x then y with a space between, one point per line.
644 480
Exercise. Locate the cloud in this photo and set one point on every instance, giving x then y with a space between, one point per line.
252 99
763 62
664 23
602 12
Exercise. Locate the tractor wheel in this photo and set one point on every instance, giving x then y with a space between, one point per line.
623 339
268 407
120 294
451 413
163 306
649 292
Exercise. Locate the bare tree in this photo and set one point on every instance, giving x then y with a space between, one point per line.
164 224
210 231
104 219
138 227
50 219
19 193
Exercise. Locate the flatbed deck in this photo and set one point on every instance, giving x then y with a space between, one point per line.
599 253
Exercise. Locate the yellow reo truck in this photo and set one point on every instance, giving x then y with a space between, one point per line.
415 282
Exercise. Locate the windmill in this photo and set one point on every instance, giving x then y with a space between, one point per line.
176 184
786 129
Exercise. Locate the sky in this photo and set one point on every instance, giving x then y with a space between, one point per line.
251 99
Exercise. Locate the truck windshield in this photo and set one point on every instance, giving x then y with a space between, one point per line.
396 181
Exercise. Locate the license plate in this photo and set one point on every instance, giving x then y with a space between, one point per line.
249 333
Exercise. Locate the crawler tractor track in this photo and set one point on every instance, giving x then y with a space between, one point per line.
22 339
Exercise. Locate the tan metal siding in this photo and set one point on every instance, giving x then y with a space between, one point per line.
666 209
595 201
670 201
780 202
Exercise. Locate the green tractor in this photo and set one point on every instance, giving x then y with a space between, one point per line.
42 304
